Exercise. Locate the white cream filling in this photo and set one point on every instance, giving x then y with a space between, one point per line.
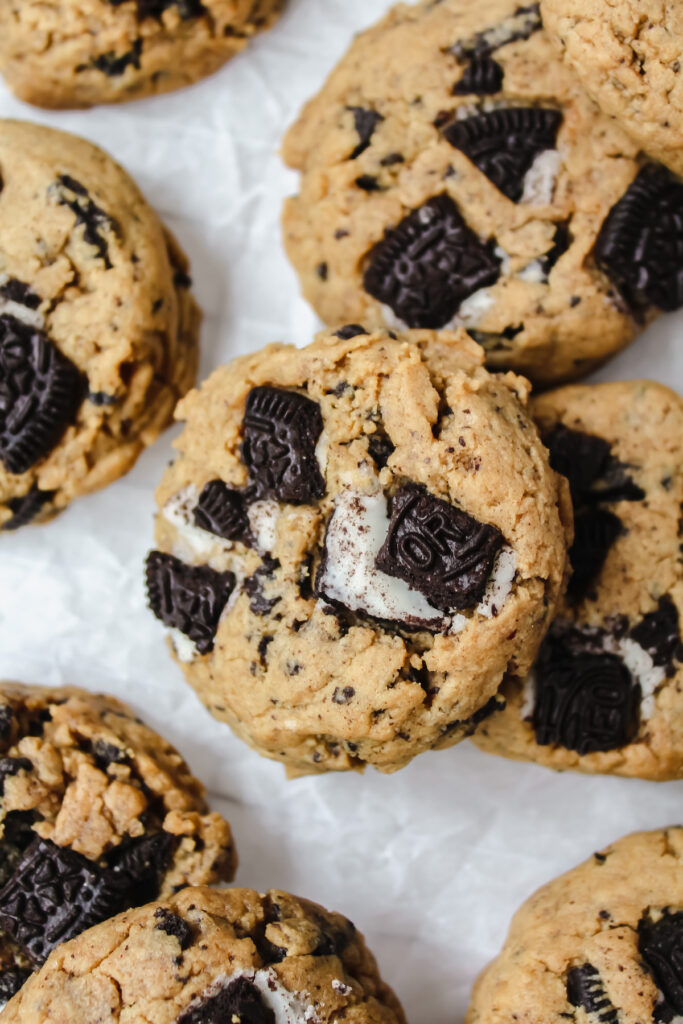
540 179
30 317
499 583
185 648
472 309
178 511
263 517
533 272
322 451
287 1007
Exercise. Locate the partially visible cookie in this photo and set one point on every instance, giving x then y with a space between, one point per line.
606 692
98 813
628 54
600 945
212 957
82 52
356 542
98 330
455 173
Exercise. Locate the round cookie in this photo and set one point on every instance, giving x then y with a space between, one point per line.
605 693
356 542
454 172
98 330
599 944
82 52
211 957
98 813
628 53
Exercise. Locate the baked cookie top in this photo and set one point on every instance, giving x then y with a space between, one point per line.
605 693
98 330
82 52
627 53
357 541
209 957
601 943
98 813
454 172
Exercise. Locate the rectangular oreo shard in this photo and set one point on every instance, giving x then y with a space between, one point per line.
438 549
239 1000
585 989
190 598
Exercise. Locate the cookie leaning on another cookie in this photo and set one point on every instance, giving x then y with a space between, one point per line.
357 541
212 957
98 813
605 694
77 53
599 944
98 330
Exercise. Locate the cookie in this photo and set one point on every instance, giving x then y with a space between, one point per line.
605 693
600 944
98 330
84 52
98 813
357 541
454 172
627 54
209 957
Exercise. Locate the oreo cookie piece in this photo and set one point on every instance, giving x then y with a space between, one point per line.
595 531
12 766
142 862
11 981
586 990
520 25
424 268
483 76
504 143
112 64
40 391
659 634
640 245
222 510
95 222
281 430
365 122
187 9
660 943
239 1000
171 924
578 456
25 509
438 549
20 292
188 598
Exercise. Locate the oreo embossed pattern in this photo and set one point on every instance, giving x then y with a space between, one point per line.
356 542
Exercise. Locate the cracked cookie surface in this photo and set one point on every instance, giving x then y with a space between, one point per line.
218 955
604 695
600 944
455 173
98 813
77 53
356 542
98 329
628 55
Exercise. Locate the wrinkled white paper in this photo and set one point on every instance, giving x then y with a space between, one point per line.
432 862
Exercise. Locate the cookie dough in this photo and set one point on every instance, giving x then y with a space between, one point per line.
211 957
98 330
628 55
356 542
98 813
82 52
600 944
454 172
605 694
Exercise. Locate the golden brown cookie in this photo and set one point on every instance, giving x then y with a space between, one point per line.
98 813
98 330
77 53
599 945
605 693
356 542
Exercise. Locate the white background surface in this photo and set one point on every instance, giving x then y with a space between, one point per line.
432 862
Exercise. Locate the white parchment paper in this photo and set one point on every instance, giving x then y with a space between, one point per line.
432 862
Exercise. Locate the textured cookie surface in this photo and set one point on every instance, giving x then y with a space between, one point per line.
599 945
217 956
454 172
605 693
98 813
98 330
356 542
77 53
628 56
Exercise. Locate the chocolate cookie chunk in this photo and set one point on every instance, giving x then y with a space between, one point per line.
188 598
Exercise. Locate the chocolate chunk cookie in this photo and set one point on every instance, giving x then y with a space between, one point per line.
98 814
627 54
98 330
358 540
84 52
605 693
600 944
217 956
455 173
